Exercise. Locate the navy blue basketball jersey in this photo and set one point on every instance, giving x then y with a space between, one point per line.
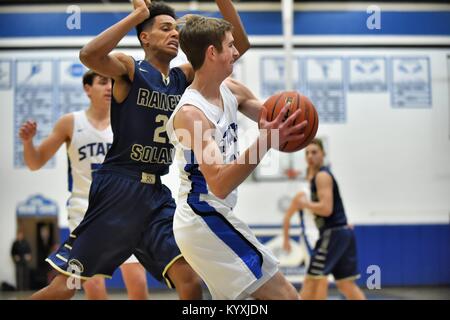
140 141
337 217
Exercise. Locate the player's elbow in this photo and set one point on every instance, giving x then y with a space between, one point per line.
218 187
219 191
327 211
244 47
83 55
33 166
217 182
222 195
87 57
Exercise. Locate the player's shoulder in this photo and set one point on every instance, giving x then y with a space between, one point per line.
324 176
189 116
129 63
233 84
66 119
123 57
64 125
187 70
190 112
239 90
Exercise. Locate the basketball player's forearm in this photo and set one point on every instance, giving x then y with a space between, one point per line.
32 156
286 226
230 14
105 42
287 220
230 176
251 111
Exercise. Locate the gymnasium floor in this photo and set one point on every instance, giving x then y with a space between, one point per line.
392 293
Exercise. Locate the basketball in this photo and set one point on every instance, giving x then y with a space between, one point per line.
275 103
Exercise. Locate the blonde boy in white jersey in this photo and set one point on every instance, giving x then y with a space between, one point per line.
220 247
88 136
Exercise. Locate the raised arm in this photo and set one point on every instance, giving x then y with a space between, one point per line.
241 42
230 14
36 157
96 54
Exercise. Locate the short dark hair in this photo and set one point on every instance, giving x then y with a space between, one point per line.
156 8
88 77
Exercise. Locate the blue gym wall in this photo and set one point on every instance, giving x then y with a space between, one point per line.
406 254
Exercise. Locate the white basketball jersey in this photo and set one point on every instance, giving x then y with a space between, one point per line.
225 134
217 245
86 153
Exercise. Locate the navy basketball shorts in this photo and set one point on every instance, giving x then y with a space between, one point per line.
335 253
127 215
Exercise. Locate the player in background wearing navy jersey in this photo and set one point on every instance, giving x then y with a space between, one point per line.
335 251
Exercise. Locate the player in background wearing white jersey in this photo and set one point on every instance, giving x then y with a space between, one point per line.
219 246
88 136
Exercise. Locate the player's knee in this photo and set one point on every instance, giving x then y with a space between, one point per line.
190 280
186 280
60 285
188 285
182 273
190 290
67 293
61 290
136 278
95 289
138 281
345 286
94 284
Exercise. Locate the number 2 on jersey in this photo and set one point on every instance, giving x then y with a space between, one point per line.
161 129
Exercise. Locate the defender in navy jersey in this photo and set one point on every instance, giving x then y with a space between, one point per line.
143 145
335 251
130 210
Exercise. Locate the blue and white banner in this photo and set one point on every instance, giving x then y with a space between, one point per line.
367 74
273 75
71 95
411 82
33 100
325 88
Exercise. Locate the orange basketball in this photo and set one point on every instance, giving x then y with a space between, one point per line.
308 112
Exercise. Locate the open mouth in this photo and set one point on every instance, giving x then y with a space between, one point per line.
173 44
